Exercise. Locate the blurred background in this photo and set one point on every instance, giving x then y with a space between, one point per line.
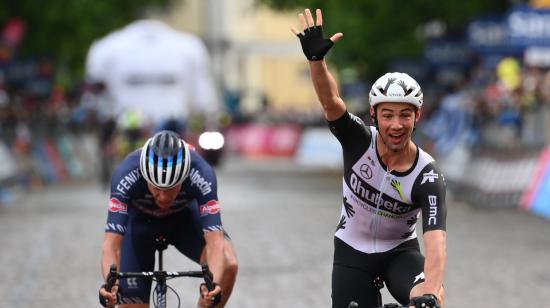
82 83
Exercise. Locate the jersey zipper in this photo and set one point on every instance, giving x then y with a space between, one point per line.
383 186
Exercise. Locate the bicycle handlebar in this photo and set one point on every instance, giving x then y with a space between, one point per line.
109 283
355 305
160 274
111 278
208 277
114 275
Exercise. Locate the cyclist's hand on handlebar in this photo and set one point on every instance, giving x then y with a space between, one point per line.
210 298
425 301
108 299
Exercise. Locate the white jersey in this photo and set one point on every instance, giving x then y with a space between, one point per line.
381 207
154 69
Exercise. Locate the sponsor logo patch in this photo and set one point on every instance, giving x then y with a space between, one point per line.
420 277
372 196
132 283
116 206
366 171
211 207
430 177
198 181
432 200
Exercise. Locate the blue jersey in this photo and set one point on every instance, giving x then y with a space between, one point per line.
130 195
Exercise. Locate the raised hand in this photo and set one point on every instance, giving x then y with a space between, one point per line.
314 45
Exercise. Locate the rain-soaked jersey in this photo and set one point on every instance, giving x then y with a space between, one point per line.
130 196
381 207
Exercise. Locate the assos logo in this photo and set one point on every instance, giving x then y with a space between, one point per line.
116 206
429 176
211 207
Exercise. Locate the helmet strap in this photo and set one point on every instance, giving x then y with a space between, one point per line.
374 118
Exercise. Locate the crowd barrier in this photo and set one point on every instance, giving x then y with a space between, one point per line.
488 179
536 197
65 158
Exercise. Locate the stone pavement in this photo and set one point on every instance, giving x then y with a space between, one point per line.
281 219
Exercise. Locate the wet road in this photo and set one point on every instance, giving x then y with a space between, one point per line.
281 219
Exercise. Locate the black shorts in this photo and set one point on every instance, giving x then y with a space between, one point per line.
354 272
138 247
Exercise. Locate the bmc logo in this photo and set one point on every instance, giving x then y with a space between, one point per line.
211 207
432 200
116 206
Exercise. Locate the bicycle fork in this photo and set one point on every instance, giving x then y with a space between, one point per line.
161 291
161 287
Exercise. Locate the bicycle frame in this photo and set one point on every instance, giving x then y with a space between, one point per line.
379 284
160 276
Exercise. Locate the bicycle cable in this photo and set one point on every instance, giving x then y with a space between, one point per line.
155 296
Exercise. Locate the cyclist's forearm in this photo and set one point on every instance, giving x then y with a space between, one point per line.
215 255
111 253
216 263
436 260
326 89
107 259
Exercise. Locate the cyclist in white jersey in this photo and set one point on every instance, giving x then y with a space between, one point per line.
388 182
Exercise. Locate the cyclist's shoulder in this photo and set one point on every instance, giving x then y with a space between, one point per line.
346 117
427 172
197 161
200 169
349 123
131 160
128 169
427 161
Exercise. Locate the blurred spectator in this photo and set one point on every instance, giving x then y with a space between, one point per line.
151 68
143 77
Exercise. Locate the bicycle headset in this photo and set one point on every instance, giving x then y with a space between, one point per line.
165 160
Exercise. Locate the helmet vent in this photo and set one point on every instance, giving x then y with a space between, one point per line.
165 160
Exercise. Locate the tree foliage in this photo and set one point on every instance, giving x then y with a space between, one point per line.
64 30
376 32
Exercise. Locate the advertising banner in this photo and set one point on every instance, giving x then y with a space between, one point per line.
488 34
536 198
447 52
529 27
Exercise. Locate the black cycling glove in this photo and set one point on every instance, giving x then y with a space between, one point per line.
314 44
425 301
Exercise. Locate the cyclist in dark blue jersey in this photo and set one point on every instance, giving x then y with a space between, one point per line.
165 189
388 183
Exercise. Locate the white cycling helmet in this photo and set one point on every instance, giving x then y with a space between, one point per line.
396 88
165 160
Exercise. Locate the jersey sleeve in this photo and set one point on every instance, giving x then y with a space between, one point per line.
429 192
122 182
203 184
352 133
